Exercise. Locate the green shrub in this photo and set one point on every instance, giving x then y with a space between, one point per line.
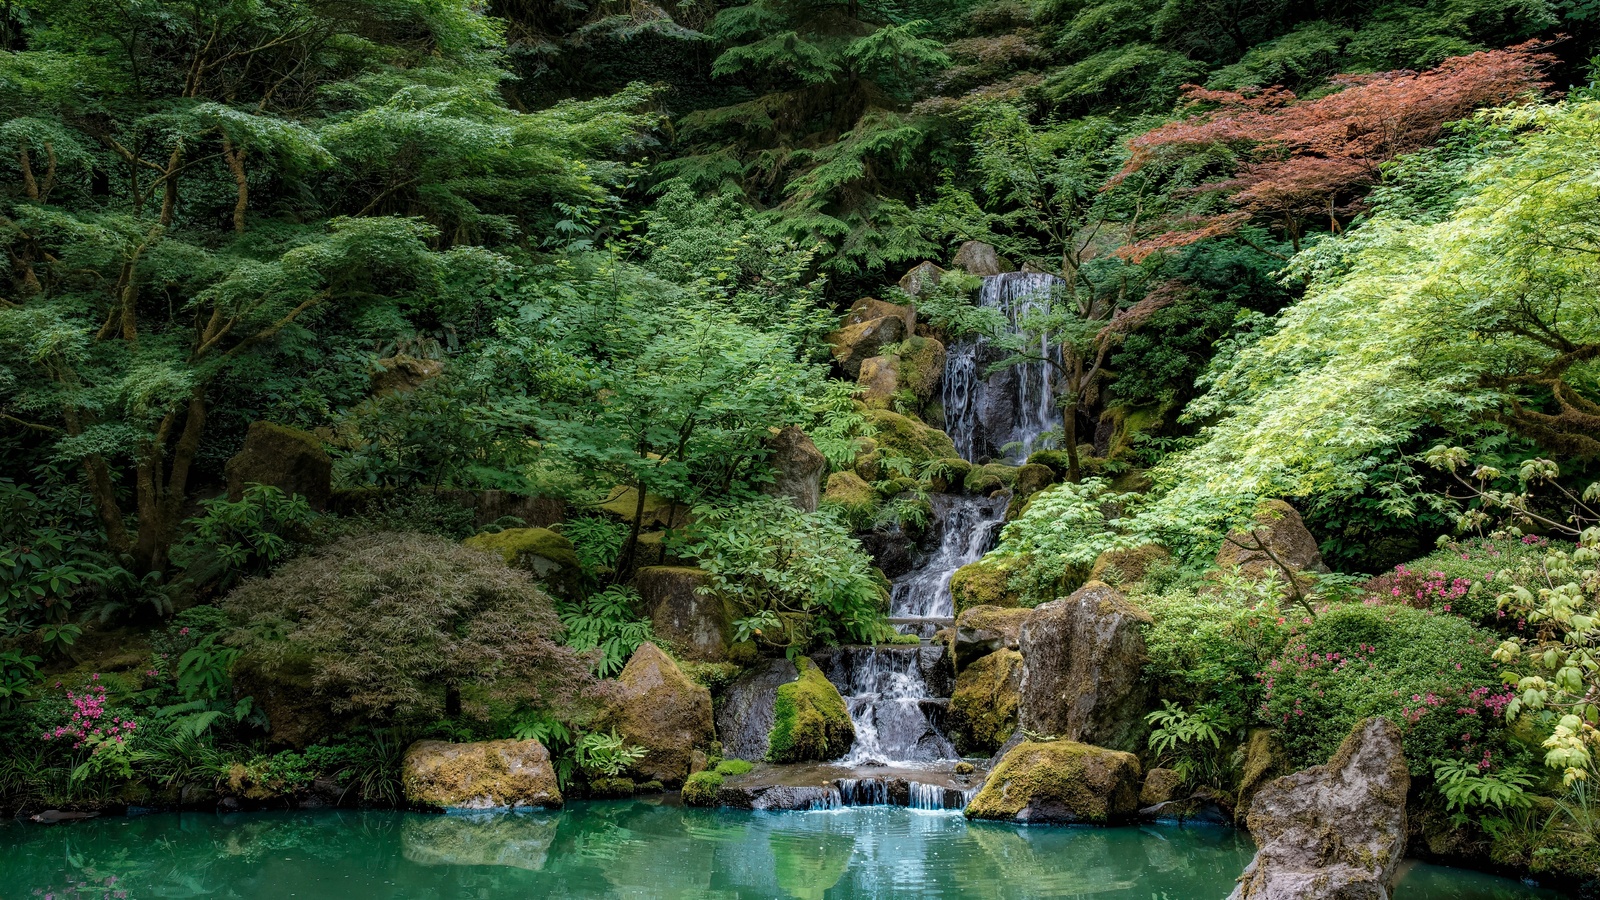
794 576
605 622
701 789
1205 651
1430 674
1058 536
384 625
1462 577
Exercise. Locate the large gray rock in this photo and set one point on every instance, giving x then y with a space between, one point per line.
868 308
922 277
1081 660
288 459
483 775
745 720
655 706
1278 535
982 630
696 622
854 344
978 258
798 468
1335 831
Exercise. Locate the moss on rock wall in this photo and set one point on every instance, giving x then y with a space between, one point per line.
1060 781
810 721
983 709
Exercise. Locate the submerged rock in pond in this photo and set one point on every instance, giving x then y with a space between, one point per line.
983 709
1081 663
698 624
1333 831
655 706
745 717
1062 782
809 719
481 775
519 841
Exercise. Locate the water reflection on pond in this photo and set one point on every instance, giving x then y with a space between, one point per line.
639 849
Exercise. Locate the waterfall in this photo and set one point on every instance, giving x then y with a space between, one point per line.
895 712
1017 406
891 791
920 600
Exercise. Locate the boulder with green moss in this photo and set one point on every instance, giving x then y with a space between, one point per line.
291 460
919 367
903 436
1128 566
1264 760
684 612
856 343
701 789
1060 782
921 278
869 309
1029 479
1083 658
948 475
986 582
1277 539
483 775
654 706
810 721
1336 830
982 630
878 382
548 556
623 501
983 709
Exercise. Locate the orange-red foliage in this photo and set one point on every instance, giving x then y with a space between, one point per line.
1317 157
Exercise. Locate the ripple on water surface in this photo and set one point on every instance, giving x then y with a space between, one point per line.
640 849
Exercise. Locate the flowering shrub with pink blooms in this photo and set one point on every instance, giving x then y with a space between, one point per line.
89 723
1462 578
1429 673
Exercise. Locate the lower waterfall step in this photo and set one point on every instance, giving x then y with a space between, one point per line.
818 787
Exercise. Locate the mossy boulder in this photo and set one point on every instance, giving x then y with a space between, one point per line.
701 789
1028 480
979 258
613 787
283 687
856 343
291 460
797 468
1277 536
745 712
659 512
1264 760
921 278
1060 782
653 705
402 374
1160 786
982 630
869 309
1083 658
546 555
878 382
950 475
851 493
985 583
983 709
684 612
810 721
906 437
919 367
1127 566
482 775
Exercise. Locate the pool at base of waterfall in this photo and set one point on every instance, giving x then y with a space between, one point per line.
641 848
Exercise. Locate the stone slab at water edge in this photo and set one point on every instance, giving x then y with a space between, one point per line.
1335 831
1060 782
483 775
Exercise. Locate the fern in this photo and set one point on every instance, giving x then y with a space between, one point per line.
606 622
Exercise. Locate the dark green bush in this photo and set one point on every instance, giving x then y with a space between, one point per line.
1206 650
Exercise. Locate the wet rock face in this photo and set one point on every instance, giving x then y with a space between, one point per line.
288 459
983 709
978 258
798 468
1160 785
1278 532
1082 657
699 625
745 719
482 775
1060 782
1333 831
655 706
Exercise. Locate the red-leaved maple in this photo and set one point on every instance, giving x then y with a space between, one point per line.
1307 159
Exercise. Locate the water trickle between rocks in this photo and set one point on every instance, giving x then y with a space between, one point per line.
1017 406
967 528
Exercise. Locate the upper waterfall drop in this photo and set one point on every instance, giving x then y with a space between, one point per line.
1016 406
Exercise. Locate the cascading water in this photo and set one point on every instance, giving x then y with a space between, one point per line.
895 711
1013 408
920 600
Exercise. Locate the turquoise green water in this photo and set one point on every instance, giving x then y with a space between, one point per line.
638 849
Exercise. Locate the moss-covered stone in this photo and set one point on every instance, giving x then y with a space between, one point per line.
797 468
482 775
548 556
810 721
1029 479
949 475
1084 657
1160 785
983 709
1127 567
919 367
614 788
878 382
684 612
985 583
982 630
903 436
855 343
701 789
1060 782
288 459
1264 760
659 512
733 768
655 706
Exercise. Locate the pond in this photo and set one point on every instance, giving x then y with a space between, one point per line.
639 849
